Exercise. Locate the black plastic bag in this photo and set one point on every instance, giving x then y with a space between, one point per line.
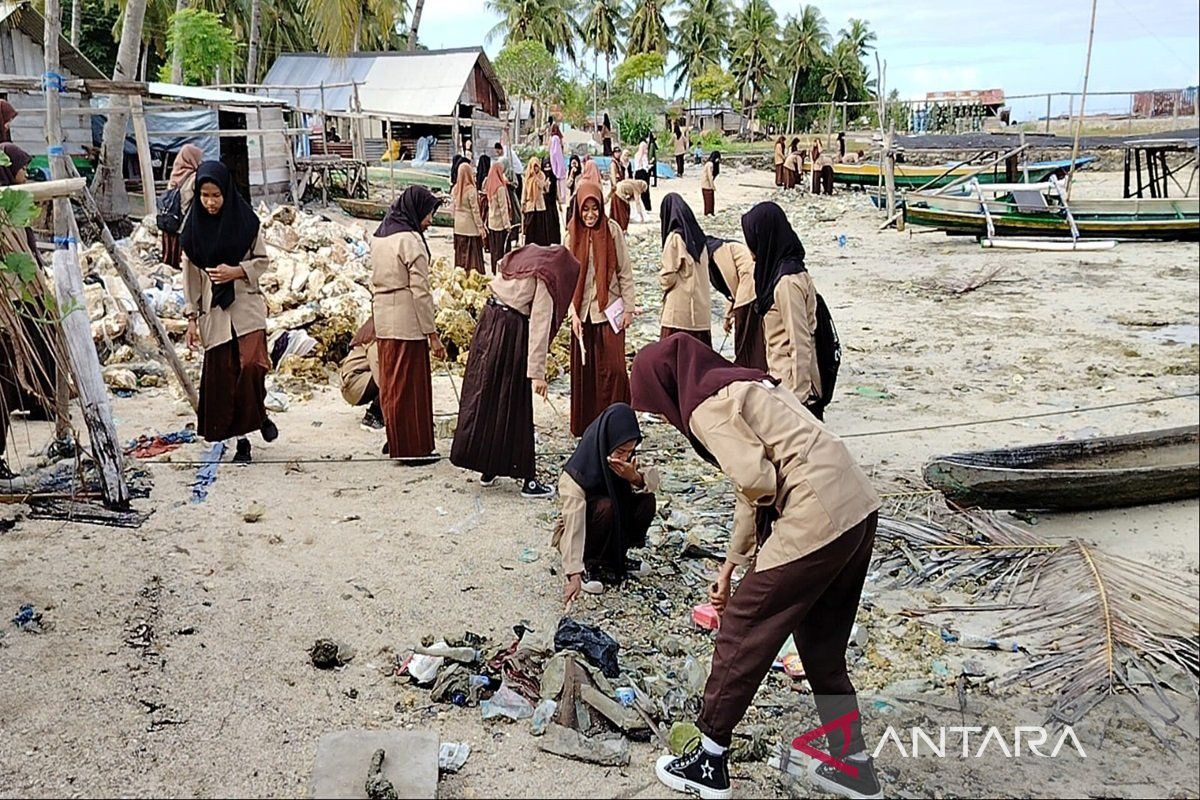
596 646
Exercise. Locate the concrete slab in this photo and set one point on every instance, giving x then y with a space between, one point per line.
411 763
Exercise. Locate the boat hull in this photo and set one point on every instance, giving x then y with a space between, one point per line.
916 177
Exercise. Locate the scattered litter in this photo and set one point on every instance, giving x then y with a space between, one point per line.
28 619
148 446
877 394
452 756
706 617
681 736
206 475
506 703
528 556
254 513
542 716
377 786
597 646
328 654
570 743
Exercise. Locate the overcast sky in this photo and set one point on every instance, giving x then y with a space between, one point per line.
1020 46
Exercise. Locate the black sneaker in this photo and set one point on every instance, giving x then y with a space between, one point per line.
242 456
696 772
532 490
829 778
371 421
635 568
6 474
487 480
268 430
420 461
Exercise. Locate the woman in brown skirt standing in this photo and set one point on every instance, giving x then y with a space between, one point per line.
623 199
533 205
404 324
183 178
708 182
507 365
468 221
223 261
687 300
793 166
498 212
780 155
604 292
731 270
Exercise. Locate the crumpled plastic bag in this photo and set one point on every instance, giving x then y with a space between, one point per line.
596 646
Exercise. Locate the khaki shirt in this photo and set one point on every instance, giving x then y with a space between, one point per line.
681 144
630 189
247 313
621 284
187 194
779 154
402 305
707 181
468 218
687 302
736 263
358 369
571 540
794 162
776 453
498 216
529 297
789 328
539 200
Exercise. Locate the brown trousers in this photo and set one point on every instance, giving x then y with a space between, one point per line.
710 201
779 174
813 598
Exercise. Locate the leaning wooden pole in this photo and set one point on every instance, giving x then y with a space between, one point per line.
72 304
1087 69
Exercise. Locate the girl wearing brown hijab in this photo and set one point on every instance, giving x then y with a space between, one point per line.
404 324
780 155
507 365
803 525
535 210
601 309
606 136
183 178
223 260
683 274
498 212
468 221
731 272
708 182
7 115
793 165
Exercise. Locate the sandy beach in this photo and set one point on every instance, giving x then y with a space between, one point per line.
177 660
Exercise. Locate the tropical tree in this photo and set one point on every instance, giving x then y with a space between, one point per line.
347 26
254 40
638 69
860 36
202 42
109 183
844 72
805 42
714 85
547 21
648 31
418 9
701 37
601 28
752 52
526 69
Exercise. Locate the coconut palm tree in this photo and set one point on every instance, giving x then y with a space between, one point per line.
109 182
648 30
805 45
418 8
701 37
860 36
601 29
550 22
843 72
347 26
753 49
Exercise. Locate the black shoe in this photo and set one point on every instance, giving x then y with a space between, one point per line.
532 490
268 430
371 421
487 480
6 474
696 772
863 786
420 461
635 568
242 456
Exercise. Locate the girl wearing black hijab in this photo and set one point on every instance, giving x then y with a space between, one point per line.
731 272
607 503
786 300
683 274
482 168
606 136
803 528
404 324
708 182
223 261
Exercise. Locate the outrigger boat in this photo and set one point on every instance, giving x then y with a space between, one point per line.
912 176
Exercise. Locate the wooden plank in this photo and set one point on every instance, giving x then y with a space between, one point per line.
50 190
145 163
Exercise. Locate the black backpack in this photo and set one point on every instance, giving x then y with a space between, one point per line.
829 352
170 212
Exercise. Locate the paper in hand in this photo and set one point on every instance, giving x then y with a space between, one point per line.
614 313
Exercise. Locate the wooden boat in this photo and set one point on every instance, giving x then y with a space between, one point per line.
1038 213
374 209
912 176
1137 469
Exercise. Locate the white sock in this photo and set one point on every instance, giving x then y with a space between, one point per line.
860 756
711 747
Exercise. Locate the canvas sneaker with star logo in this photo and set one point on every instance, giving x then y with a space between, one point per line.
696 772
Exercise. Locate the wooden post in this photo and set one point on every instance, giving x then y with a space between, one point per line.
145 165
262 154
1087 69
324 124
1047 114
1025 169
76 327
1126 171
889 169
357 137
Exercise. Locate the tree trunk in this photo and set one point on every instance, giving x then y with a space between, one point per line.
76 21
109 184
177 53
144 63
792 105
416 23
607 75
255 34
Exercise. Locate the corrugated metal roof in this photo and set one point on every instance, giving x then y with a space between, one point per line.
423 83
33 25
206 95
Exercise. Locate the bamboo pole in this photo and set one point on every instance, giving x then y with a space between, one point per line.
145 163
1087 69
889 170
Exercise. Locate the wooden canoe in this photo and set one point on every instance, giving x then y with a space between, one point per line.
1107 472
913 176
374 209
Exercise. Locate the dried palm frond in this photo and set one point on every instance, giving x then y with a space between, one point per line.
961 286
1096 617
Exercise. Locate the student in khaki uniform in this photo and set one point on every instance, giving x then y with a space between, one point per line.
803 526
708 182
683 273
780 155
598 375
731 272
793 166
469 229
539 216
680 141
507 365
786 300
607 504
359 372
223 260
499 214
404 324
623 199
183 178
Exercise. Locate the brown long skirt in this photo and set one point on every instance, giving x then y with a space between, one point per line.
600 382
495 417
710 201
171 250
406 396
827 179
541 227
468 252
704 336
779 174
618 212
679 165
790 178
498 242
749 342
233 389
608 148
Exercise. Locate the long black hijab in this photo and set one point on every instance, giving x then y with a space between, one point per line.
407 212
482 167
776 248
211 240
589 468
715 276
677 217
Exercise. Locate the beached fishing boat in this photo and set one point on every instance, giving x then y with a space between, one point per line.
1137 469
911 176
374 209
